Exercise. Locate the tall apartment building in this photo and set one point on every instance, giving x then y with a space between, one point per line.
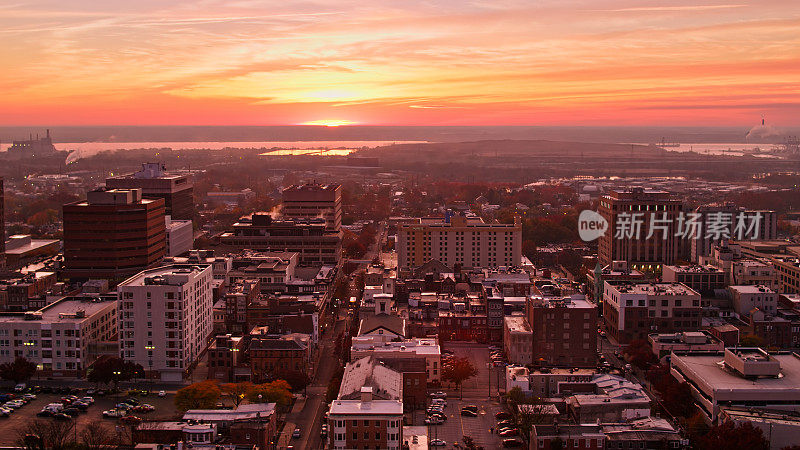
312 200
60 337
632 311
177 190
701 243
165 318
112 234
310 238
467 241
629 211
564 331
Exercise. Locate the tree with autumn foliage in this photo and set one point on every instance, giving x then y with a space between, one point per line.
458 371
201 395
731 436
278 391
639 354
237 392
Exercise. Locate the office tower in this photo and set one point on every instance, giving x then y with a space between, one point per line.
112 234
631 216
155 182
312 200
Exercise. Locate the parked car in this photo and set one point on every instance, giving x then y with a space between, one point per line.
29 397
72 411
88 400
510 432
5 412
123 406
20 387
91 391
113 413
296 433
511 443
433 421
45 413
505 423
145 408
62 416
130 420
162 394
132 401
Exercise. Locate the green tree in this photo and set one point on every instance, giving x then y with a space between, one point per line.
18 371
201 395
278 391
460 370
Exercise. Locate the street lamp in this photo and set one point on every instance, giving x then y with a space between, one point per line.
150 349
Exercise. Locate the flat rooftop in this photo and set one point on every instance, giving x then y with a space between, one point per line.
655 289
173 275
517 324
357 407
66 310
752 289
709 369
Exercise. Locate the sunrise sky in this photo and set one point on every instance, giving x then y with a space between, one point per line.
388 62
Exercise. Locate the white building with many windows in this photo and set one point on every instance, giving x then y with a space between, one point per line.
61 337
165 318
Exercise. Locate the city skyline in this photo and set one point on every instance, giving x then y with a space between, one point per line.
608 62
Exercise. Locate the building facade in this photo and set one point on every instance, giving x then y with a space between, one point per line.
564 331
177 190
113 234
312 200
309 238
165 319
633 311
631 216
60 337
466 241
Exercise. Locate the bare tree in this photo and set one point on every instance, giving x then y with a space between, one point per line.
54 435
96 435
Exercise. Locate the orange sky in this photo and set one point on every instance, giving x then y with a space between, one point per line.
427 62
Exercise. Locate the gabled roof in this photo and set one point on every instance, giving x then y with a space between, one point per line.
386 322
386 384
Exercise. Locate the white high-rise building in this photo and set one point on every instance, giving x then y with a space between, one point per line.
165 318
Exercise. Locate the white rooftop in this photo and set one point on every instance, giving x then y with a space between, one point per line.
357 407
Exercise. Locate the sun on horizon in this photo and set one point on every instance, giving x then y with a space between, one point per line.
329 122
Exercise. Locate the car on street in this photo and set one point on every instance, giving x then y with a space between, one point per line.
433 421
509 432
162 394
512 443
470 407
296 433
437 443
469 413
505 423
438 394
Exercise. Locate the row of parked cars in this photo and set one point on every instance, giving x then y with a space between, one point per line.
507 429
70 406
125 411
12 403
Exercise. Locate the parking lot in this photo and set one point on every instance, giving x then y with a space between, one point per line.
20 418
476 392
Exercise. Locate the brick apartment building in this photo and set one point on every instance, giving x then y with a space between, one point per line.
564 331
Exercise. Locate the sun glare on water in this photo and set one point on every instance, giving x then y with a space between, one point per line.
329 122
